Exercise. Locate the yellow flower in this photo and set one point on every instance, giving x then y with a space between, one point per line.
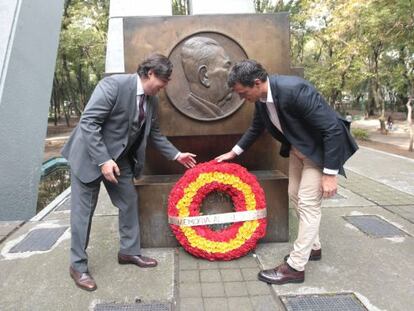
244 232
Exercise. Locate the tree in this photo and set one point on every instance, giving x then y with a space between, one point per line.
358 52
180 7
81 55
410 123
355 50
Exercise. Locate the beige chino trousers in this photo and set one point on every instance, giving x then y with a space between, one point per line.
305 192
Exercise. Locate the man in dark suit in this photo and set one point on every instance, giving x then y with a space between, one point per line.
109 145
316 140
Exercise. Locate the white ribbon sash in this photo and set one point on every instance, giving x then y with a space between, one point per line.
217 218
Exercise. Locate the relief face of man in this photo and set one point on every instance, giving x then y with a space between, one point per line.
206 66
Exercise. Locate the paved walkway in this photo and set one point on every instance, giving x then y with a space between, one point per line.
377 272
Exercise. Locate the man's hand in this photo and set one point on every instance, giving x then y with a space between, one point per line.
109 170
226 156
187 159
329 185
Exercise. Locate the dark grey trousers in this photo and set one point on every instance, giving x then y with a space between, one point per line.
83 202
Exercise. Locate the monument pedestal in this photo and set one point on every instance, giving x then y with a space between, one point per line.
205 120
153 192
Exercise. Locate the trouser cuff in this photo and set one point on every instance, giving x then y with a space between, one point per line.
294 266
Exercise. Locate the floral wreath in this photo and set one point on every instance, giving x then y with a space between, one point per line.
247 195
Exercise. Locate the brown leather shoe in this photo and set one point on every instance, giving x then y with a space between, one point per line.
282 274
316 254
83 280
140 261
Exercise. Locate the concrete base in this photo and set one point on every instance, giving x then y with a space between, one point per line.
153 194
377 270
41 281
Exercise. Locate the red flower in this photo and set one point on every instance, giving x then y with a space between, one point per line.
237 180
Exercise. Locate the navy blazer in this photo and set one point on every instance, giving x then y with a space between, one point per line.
308 123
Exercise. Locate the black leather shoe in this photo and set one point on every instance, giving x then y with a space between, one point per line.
281 275
83 280
316 254
138 260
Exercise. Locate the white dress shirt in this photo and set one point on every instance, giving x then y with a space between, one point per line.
140 92
272 115
271 108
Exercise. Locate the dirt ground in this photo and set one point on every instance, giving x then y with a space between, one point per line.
395 142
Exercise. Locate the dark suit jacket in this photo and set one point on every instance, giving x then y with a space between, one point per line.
104 128
308 123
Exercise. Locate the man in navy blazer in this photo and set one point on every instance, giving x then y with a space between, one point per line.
108 145
316 140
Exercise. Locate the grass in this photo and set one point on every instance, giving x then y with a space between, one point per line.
360 134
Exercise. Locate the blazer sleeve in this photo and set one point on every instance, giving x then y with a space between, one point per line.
313 109
96 112
253 132
161 143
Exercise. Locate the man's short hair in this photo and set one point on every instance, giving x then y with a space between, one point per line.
195 52
160 65
245 72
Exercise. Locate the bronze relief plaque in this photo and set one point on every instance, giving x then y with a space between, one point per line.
198 87
201 48
235 37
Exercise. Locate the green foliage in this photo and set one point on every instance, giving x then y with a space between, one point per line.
269 6
51 186
81 55
180 7
358 53
354 51
360 133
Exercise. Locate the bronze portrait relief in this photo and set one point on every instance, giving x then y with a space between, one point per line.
198 86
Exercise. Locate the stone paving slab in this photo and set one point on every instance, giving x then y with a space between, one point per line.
104 207
231 285
392 170
405 211
379 271
42 281
64 205
56 215
7 227
374 191
346 198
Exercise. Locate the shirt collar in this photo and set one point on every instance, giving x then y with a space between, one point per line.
269 98
140 89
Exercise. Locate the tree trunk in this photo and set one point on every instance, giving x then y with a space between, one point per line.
66 111
410 123
55 100
370 103
66 75
59 105
81 87
376 90
55 113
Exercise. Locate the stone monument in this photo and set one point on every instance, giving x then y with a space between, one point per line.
198 113
29 36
